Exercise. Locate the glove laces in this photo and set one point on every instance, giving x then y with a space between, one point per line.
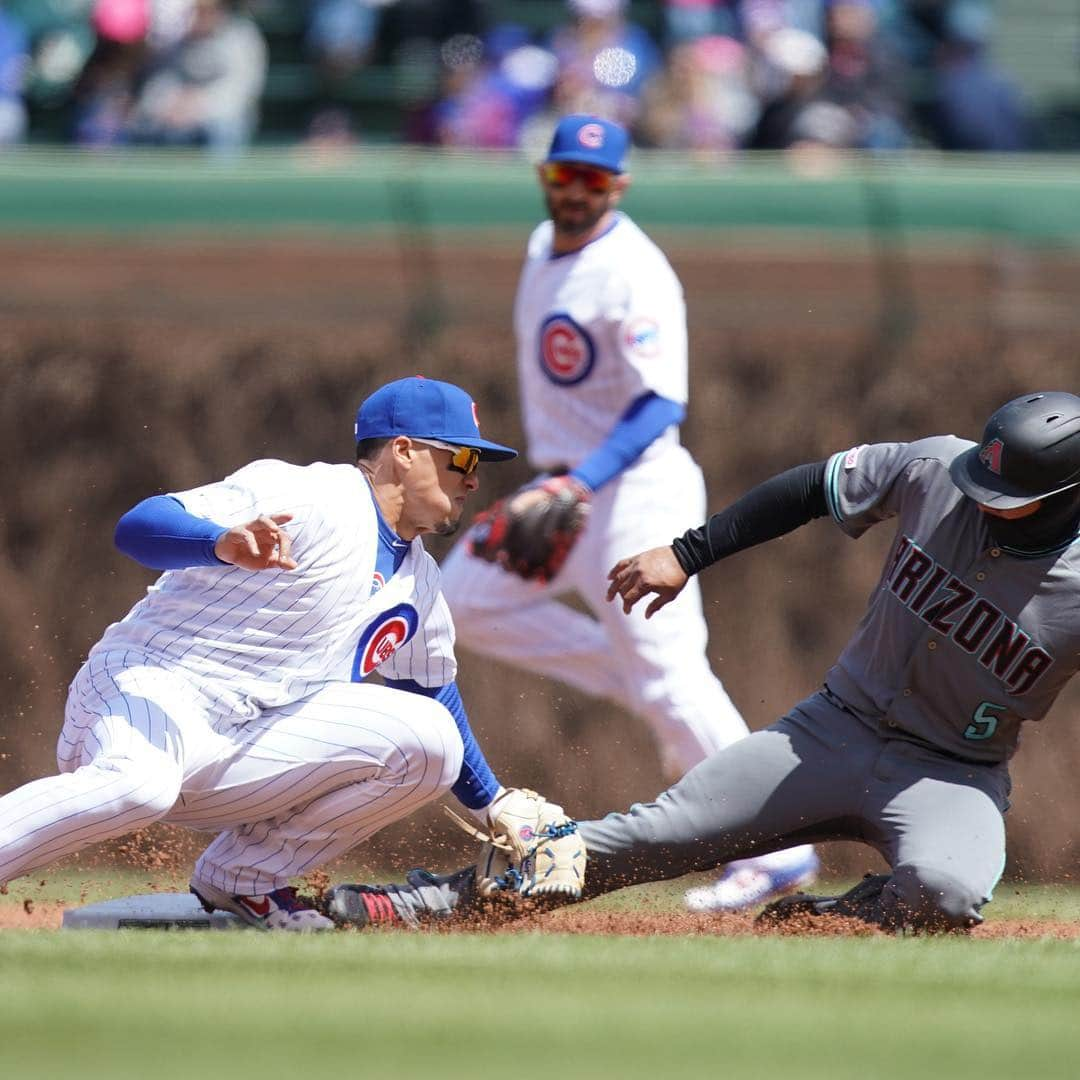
548 832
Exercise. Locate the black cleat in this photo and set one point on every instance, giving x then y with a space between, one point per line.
853 904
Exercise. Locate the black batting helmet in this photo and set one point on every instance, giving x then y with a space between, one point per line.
1030 450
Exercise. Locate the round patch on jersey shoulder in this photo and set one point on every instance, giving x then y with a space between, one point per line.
642 337
567 353
383 637
377 582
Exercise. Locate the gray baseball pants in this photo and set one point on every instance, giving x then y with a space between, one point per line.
819 773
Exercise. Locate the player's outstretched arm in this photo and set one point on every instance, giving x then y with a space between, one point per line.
653 571
767 511
259 545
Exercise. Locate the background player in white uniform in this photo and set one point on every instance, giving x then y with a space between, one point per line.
972 631
224 699
600 324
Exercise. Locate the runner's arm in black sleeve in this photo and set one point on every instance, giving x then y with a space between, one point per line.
767 511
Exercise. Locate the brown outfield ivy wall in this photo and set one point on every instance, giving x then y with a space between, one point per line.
139 368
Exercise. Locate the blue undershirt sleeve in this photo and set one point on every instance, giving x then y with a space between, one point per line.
476 785
161 534
646 419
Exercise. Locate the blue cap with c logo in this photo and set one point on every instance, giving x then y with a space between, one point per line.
426 409
590 140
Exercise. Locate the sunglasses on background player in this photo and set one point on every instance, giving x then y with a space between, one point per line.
464 458
562 174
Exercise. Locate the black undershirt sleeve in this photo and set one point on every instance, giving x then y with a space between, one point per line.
765 512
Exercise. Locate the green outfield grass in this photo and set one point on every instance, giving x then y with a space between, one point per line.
140 1004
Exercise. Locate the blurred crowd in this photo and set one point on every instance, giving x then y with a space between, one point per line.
134 72
706 76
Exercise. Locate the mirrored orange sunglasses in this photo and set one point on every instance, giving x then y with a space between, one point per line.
463 459
563 173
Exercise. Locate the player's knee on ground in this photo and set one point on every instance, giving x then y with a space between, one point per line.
929 899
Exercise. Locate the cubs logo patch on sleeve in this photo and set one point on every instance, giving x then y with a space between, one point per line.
642 337
567 352
384 635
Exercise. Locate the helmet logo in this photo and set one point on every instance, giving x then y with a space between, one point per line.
990 455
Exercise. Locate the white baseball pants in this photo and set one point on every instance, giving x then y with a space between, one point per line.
290 789
657 668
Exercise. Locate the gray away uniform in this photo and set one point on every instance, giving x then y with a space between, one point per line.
906 745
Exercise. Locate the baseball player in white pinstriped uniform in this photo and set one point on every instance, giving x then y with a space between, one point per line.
600 323
225 699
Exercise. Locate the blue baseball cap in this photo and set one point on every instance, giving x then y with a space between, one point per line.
590 140
426 409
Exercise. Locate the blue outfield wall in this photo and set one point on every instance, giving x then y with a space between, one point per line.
1032 200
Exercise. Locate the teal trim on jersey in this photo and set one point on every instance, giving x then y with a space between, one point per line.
832 487
1018 554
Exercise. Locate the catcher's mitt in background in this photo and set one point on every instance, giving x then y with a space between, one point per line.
532 532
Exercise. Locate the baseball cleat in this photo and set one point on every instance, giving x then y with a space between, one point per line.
750 882
789 907
359 906
281 909
850 904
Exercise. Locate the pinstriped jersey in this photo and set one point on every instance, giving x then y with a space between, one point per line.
255 639
962 641
595 329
